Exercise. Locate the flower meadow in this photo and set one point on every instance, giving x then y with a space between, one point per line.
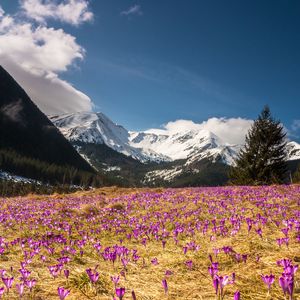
192 243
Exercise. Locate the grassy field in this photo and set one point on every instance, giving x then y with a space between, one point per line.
146 236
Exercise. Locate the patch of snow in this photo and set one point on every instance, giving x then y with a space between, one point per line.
167 174
10 177
112 168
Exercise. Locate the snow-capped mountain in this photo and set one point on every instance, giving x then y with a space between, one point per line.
293 150
96 128
190 145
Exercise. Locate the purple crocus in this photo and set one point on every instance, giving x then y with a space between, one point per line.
25 273
168 273
165 285
189 264
216 284
120 292
268 280
115 279
30 284
20 288
220 282
8 282
62 293
94 276
67 273
237 295
286 282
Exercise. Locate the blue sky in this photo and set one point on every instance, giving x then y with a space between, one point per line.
150 62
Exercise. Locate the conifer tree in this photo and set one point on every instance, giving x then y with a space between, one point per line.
262 161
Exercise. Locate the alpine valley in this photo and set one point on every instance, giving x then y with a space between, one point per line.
32 147
181 158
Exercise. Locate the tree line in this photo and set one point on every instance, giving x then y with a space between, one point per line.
47 173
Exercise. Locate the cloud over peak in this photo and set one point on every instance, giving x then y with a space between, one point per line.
74 12
230 130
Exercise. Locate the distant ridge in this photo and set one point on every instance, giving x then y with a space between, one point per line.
25 130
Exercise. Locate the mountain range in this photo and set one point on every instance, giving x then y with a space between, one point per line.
181 157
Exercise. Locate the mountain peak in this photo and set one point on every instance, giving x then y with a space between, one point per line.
97 128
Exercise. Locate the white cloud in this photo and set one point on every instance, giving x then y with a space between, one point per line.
5 21
295 125
51 94
35 56
230 130
133 10
73 12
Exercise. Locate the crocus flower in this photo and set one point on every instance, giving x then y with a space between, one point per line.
216 284
268 280
286 281
220 282
94 276
67 273
62 293
25 273
124 262
168 273
20 288
30 284
259 232
213 271
237 295
120 292
189 264
2 290
8 282
165 285
115 279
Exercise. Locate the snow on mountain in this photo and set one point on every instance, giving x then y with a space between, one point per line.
89 127
176 146
222 153
11 177
192 145
293 150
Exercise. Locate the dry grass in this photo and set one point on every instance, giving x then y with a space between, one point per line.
143 277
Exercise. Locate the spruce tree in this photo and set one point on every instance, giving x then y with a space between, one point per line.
262 161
